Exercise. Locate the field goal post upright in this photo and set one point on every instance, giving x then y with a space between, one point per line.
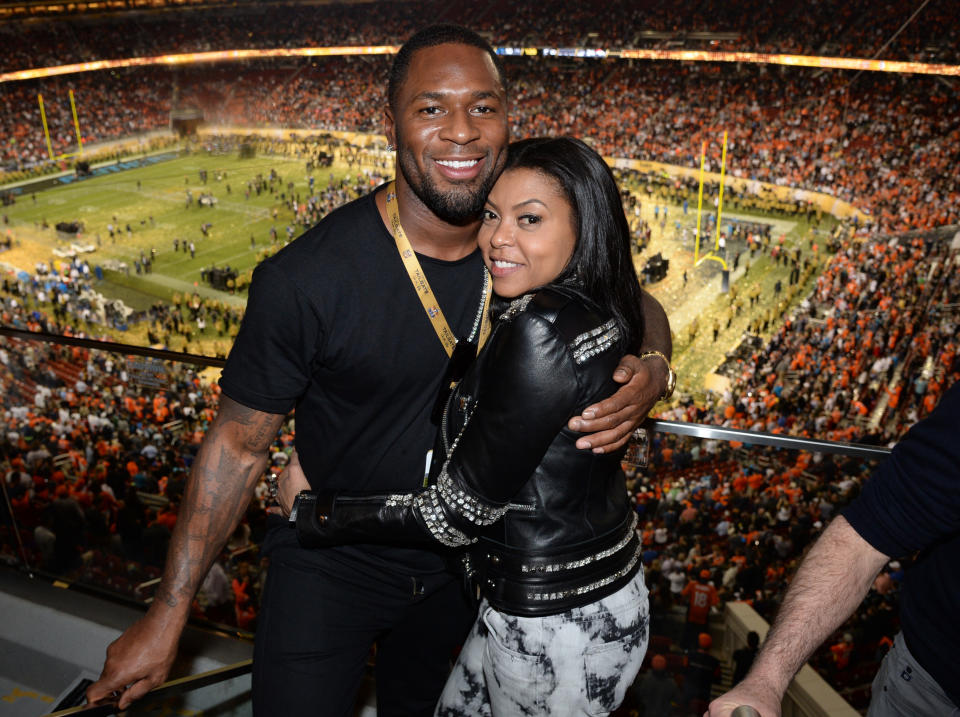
76 127
697 259
46 130
696 245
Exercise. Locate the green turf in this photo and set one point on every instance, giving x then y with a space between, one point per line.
115 286
117 199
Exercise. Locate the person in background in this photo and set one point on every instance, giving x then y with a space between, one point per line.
911 503
744 656
701 670
657 691
700 596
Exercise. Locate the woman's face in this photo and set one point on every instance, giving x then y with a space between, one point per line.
527 236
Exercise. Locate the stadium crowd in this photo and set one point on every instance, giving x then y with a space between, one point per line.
864 357
869 353
883 142
110 106
95 464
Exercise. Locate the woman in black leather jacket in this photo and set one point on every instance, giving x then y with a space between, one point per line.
545 531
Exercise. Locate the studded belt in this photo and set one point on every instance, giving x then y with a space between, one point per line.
524 584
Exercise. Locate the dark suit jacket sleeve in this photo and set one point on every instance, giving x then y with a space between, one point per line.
913 499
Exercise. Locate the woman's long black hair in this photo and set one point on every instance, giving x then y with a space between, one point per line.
601 265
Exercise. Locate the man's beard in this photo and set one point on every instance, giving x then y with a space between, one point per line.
460 205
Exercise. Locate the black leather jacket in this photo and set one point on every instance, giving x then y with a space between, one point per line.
547 526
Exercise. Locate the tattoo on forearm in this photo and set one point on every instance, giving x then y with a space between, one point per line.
260 428
221 483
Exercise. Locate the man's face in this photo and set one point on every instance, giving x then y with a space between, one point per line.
450 129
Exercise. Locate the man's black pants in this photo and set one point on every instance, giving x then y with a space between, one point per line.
321 613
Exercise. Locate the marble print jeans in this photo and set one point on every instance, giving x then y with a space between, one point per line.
579 662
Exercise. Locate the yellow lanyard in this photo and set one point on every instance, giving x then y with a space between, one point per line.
422 286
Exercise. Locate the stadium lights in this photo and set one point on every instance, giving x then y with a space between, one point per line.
192 58
829 63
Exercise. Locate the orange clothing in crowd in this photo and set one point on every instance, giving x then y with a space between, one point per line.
701 598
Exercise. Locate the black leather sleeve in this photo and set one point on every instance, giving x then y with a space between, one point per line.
529 389
325 519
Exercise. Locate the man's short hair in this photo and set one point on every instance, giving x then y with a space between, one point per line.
431 37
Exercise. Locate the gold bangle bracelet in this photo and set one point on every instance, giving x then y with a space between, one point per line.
671 374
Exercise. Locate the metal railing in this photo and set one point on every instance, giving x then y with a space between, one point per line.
680 428
171 688
111 347
814 445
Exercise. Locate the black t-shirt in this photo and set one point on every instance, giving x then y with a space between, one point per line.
334 328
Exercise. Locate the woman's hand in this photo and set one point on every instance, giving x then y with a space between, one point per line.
610 422
290 482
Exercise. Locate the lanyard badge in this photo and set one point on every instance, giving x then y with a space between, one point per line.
461 351
420 284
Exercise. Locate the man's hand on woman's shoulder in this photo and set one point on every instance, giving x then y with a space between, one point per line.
610 423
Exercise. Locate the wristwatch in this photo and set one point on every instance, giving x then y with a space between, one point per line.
671 374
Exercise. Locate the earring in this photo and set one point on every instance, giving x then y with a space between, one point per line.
390 148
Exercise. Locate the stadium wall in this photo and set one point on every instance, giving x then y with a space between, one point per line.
97 170
827 204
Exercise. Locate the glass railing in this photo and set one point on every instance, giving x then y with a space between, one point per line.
96 449
100 437
736 510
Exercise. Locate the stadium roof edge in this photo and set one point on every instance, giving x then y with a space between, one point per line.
192 58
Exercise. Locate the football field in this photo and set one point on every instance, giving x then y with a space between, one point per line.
148 210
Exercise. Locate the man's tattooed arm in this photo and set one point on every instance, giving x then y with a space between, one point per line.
231 459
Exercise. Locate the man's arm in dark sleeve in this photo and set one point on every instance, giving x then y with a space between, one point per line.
913 500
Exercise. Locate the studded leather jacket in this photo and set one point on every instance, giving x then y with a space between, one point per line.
542 526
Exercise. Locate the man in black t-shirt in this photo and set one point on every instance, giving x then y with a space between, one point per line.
335 329
701 670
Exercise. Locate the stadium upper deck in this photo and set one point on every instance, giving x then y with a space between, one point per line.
859 28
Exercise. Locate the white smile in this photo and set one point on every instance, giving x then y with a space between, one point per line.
458 164
500 264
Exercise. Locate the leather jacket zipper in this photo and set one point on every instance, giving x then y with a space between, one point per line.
377 499
522 507
443 423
